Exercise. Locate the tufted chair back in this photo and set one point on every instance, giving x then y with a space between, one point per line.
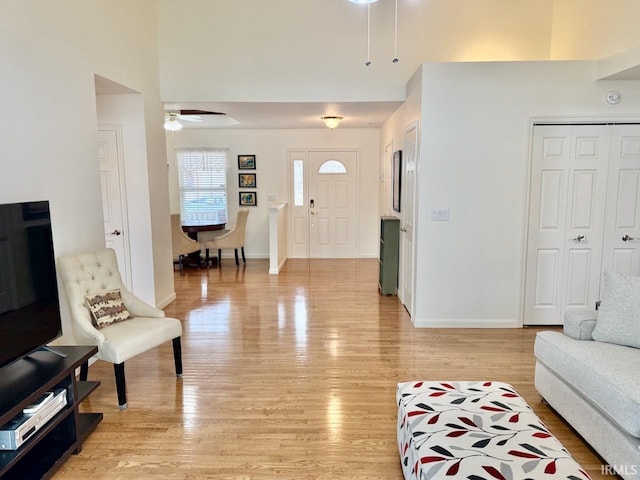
94 272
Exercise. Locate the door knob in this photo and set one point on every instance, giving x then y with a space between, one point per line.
627 238
579 238
115 232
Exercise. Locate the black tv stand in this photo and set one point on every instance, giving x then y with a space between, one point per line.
23 382
53 350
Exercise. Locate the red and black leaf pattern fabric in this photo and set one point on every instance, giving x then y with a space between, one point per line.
476 431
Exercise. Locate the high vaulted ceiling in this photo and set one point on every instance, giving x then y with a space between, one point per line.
285 63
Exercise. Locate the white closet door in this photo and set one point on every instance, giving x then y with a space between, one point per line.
621 252
566 221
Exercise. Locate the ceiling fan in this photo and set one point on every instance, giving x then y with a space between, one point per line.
172 118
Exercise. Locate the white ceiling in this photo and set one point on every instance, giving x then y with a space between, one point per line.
284 115
288 114
265 65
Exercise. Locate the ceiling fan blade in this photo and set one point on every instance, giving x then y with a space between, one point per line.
191 118
199 112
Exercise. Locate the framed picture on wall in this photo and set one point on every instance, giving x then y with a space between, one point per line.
397 179
247 180
248 199
246 162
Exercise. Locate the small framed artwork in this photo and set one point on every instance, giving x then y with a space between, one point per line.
246 162
247 180
248 199
397 179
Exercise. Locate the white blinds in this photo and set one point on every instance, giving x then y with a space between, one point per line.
202 175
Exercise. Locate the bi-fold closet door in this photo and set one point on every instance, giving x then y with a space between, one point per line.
584 216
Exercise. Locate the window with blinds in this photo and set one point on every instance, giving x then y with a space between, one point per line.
202 175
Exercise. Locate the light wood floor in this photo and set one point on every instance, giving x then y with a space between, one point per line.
289 377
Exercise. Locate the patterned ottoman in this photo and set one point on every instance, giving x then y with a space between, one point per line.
476 431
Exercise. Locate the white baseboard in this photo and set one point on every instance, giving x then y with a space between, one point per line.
465 323
276 271
166 301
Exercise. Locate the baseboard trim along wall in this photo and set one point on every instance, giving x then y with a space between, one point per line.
166 301
465 323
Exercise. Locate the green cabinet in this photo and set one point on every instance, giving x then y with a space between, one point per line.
389 254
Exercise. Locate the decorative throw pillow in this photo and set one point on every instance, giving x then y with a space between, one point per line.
107 308
619 313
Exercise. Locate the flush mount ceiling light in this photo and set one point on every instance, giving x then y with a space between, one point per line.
331 121
363 1
171 122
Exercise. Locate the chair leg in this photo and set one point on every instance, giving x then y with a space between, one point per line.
177 356
180 262
235 250
84 371
121 385
219 257
243 257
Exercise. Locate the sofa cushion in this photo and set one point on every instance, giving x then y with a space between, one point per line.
619 313
605 373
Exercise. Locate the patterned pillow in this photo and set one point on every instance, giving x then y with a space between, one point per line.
619 313
107 308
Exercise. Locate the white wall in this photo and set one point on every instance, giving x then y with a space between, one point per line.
476 123
48 142
127 112
271 150
593 29
310 50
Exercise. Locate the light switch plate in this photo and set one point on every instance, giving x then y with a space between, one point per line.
439 214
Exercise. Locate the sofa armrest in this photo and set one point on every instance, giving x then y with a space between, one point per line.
579 324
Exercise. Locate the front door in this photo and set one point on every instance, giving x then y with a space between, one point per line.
114 198
332 204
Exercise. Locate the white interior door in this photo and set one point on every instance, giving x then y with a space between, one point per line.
407 209
114 198
332 203
566 221
621 250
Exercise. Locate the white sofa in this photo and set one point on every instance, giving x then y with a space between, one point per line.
595 387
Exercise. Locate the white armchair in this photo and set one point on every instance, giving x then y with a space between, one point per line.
95 272
234 238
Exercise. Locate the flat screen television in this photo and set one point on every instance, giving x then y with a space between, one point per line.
29 306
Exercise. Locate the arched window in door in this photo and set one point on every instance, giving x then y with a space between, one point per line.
332 166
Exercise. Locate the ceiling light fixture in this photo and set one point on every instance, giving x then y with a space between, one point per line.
331 121
368 62
395 37
171 123
368 3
